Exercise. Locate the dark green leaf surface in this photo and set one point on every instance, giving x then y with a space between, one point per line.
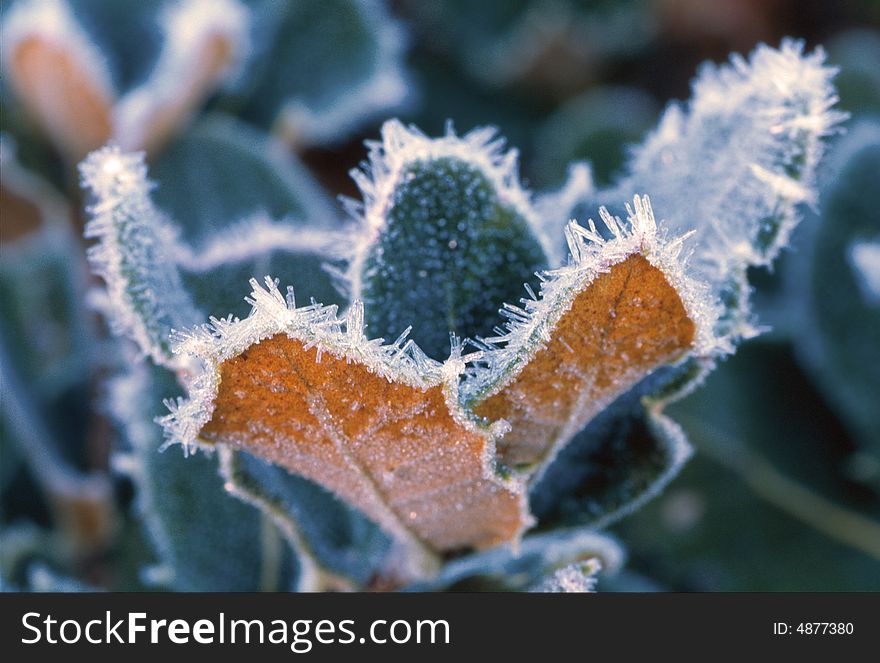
451 255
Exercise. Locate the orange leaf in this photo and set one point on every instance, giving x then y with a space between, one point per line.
149 115
378 426
626 323
602 324
63 92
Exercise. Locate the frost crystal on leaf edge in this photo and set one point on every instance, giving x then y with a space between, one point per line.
401 146
529 328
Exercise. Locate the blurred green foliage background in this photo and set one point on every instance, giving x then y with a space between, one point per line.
783 492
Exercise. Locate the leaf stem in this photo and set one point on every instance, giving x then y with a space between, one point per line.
797 500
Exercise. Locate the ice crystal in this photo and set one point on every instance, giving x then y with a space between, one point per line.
535 334
735 162
147 298
576 578
445 227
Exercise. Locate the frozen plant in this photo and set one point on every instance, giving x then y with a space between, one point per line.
431 458
86 72
162 76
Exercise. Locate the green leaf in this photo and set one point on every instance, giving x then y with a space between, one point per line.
245 209
134 254
539 554
448 237
339 548
205 539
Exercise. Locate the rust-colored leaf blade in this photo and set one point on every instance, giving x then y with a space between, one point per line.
63 93
151 115
623 325
380 426
619 310
392 449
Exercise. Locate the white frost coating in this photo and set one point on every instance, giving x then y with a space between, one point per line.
147 299
547 551
53 21
401 146
735 162
576 578
188 27
252 237
555 208
127 395
316 326
865 260
387 88
530 327
312 576
114 176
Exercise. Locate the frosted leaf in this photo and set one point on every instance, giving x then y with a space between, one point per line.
379 425
132 254
576 578
59 74
621 308
538 555
337 547
401 146
865 260
447 234
80 504
736 161
204 538
205 42
64 78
